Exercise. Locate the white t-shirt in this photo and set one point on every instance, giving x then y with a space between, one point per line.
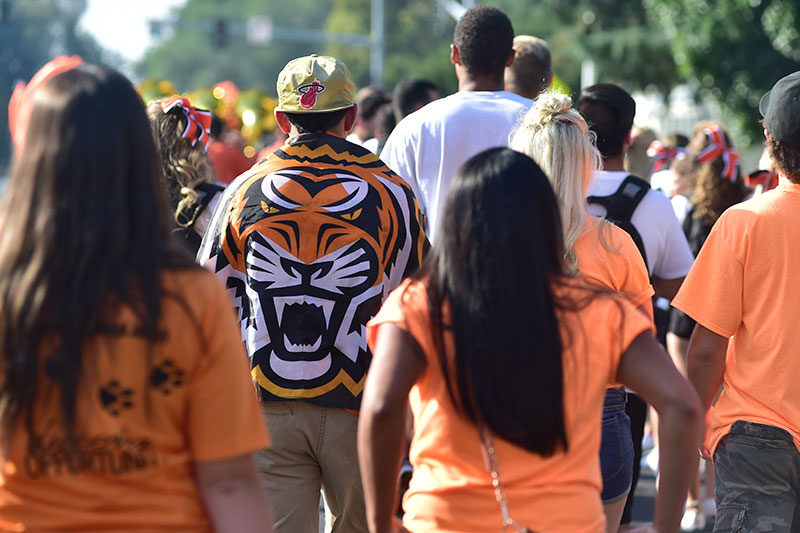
681 205
664 181
428 146
353 138
668 253
370 144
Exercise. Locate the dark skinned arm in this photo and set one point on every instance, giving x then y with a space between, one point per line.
666 288
705 367
648 370
397 364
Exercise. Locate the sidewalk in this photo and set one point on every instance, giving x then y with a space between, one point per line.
644 502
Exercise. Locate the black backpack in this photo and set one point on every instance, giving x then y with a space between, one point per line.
619 210
620 207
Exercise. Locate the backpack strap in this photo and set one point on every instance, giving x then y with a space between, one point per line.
188 216
621 204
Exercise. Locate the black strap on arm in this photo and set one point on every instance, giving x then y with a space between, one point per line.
189 215
621 204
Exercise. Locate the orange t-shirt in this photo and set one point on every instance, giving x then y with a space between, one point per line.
141 425
451 490
744 283
620 269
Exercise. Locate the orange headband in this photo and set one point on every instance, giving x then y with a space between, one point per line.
198 121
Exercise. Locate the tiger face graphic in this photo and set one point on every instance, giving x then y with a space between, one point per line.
309 255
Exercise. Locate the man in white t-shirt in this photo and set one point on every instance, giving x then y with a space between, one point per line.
609 111
428 146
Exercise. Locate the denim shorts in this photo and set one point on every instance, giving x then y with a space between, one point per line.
757 480
616 448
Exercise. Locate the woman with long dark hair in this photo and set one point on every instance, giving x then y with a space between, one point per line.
507 358
125 399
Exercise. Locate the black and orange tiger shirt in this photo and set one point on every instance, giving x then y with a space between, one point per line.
309 243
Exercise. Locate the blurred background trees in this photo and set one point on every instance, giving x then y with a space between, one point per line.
32 33
731 51
615 34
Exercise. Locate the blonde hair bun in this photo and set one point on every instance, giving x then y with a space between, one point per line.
551 105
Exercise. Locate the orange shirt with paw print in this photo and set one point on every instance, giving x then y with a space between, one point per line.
146 412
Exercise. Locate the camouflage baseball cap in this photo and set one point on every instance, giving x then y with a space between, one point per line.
315 84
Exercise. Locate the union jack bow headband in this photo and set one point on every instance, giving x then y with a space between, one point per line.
663 154
198 121
717 148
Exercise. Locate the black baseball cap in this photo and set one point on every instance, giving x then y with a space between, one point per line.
780 108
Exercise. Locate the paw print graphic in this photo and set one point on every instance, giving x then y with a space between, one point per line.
115 398
166 377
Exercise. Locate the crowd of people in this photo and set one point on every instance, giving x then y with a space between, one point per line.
459 287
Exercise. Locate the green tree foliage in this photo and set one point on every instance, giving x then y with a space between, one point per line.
733 50
615 34
193 55
31 34
417 36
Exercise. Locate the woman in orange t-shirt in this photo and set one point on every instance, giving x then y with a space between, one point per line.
125 396
507 359
558 139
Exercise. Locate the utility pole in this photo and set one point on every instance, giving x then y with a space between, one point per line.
5 11
377 43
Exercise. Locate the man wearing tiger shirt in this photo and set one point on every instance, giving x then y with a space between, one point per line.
743 292
309 242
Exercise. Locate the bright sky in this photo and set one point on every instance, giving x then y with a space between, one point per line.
122 25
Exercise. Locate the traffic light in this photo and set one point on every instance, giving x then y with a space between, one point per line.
156 28
5 11
221 33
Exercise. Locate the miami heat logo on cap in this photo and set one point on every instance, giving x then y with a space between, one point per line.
310 92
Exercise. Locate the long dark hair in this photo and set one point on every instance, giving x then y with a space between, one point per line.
498 255
85 231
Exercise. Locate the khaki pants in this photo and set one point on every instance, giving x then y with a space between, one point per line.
312 448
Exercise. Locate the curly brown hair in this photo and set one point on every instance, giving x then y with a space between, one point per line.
785 159
185 166
713 193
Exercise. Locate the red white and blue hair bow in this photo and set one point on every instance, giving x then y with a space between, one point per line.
765 178
663 154
718 148
198 121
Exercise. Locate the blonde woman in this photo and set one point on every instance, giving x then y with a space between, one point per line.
558 139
